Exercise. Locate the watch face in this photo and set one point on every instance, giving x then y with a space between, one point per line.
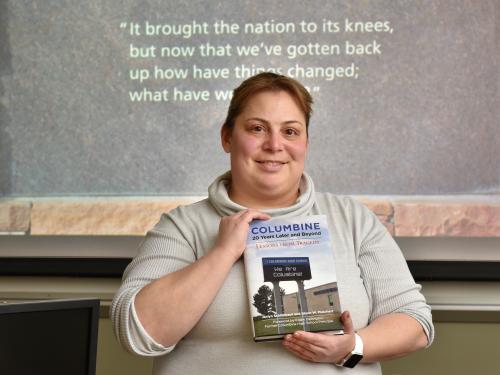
353 360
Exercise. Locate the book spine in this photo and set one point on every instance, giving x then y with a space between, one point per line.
249 288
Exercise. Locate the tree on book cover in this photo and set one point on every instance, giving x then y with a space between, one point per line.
291 277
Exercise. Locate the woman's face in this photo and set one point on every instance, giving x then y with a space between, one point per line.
268 147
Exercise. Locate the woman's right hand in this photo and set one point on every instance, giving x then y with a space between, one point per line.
170 306
233 231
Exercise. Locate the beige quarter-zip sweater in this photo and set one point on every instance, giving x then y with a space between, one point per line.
372 277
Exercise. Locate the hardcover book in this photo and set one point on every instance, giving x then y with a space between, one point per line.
291 277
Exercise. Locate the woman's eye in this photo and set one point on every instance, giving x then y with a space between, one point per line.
257 128
291 131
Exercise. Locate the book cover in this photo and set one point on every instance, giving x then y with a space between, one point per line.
291 277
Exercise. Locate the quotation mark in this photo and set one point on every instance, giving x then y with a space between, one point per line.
313 89
123 25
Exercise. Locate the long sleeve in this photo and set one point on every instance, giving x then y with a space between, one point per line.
387 279
164 250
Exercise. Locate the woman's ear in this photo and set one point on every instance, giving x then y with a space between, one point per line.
225 138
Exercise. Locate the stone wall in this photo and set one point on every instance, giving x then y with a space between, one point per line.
415 216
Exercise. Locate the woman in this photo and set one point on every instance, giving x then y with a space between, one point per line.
185 291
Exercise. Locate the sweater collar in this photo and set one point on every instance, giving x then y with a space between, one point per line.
219 198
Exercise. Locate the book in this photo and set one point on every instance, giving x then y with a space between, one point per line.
291 277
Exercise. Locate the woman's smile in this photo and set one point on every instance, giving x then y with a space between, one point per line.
270 165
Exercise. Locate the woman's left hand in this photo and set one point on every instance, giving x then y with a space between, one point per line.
321 347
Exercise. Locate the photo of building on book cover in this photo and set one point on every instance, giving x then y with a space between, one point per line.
291 277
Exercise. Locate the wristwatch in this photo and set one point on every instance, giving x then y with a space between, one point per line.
355 356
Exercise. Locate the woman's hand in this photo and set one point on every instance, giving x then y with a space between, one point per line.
321 347
233 231
170 306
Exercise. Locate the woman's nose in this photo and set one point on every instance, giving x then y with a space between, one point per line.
273 142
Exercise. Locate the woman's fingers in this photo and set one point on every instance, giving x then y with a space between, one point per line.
347 322
298 349
251 214
310 339
321 347
233 231
248 216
